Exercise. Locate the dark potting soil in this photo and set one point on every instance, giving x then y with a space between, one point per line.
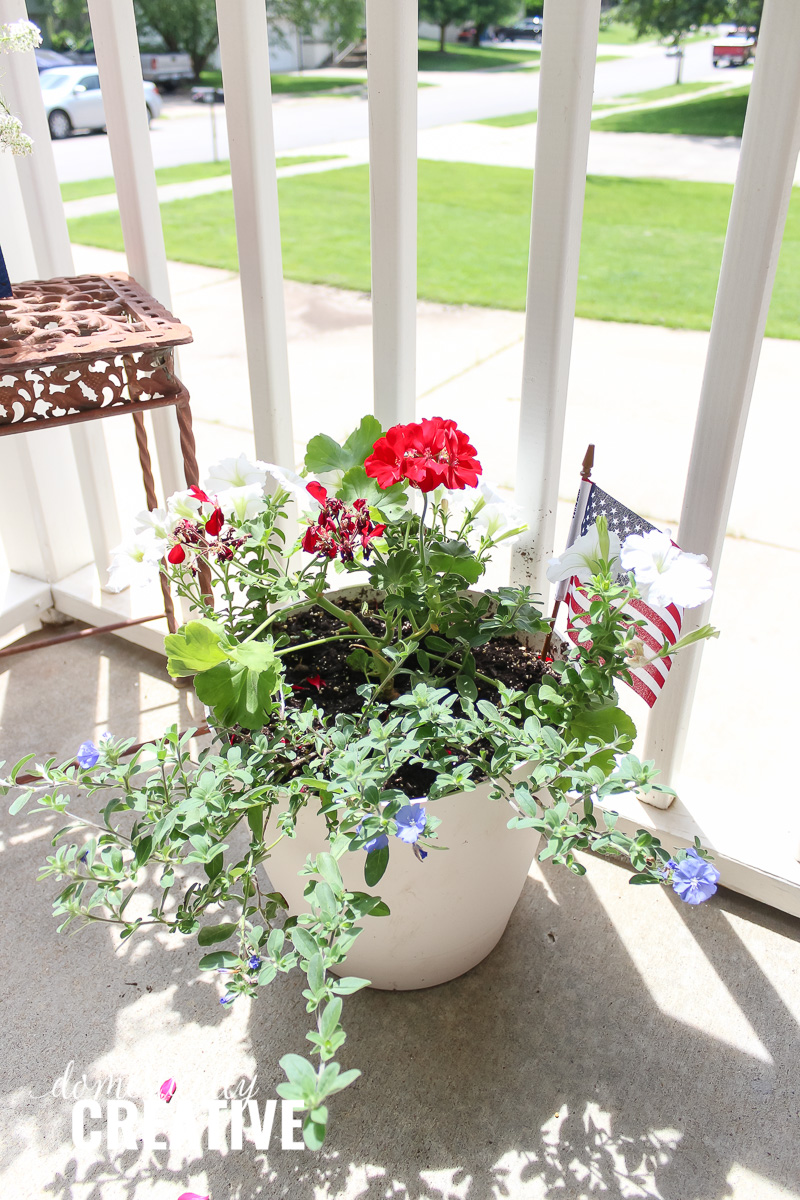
335 683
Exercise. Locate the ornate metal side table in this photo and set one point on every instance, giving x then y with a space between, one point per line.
83 348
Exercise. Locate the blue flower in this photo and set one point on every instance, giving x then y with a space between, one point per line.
670 864
227 999
695 880
374 843
410 821
84 857
420 853
254 962
87 755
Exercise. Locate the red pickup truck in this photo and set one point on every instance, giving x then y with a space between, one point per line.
734 50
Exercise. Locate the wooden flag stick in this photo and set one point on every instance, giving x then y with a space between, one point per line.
586 474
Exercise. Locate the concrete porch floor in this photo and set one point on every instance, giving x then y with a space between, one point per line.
616 1043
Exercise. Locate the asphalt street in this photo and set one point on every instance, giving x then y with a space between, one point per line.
184 133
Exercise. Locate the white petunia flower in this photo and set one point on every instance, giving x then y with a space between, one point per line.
19 36
186 507
242 502
161 520
136 560
664 574
496 517
235 473
293 483
11 136
582 558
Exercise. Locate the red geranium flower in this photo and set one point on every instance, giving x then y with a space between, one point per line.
339 528
215 522
429 454
177 554
318 492
199 494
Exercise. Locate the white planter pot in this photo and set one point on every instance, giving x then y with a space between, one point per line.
448 912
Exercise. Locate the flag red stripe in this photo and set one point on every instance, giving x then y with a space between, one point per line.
655 619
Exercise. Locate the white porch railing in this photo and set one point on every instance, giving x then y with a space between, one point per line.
47 468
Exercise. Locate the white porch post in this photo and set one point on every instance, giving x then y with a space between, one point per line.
569 52
53 467
770 146
392 37
117 50
244 53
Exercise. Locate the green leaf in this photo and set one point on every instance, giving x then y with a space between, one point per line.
209 935
220 958
466 687
395 571
194 648
357 485
238 694
328 869
375 865
300 1071
330 1017
349 985
455 558
304 943
604 723
361 441
323 454
313 1133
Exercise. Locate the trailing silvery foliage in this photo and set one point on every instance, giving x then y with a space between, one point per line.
168 824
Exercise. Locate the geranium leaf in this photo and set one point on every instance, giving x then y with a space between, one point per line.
359 444
238 694
194 648
357 485
324 454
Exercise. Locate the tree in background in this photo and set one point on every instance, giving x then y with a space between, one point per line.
343 19
444 13
481 13
64 23
491 12
185 26
673 19
747 12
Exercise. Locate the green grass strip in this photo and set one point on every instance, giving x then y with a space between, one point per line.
458 57
187 173
650 254
713 116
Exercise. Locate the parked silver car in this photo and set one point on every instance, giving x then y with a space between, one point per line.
72 100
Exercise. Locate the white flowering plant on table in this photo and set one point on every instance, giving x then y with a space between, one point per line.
16 37
355 704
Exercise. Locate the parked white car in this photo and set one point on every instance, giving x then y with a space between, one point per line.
72 100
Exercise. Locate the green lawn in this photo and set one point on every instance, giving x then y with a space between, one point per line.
507 122
185 174
714 116
529 118
469 58
618 33
293 84
651 248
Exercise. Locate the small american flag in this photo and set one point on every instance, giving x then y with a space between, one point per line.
661 625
